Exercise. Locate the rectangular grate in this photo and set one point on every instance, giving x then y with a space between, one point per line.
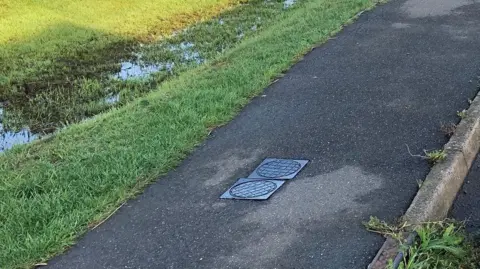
278 169
252 189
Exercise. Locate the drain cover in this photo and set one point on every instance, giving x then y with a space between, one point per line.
278 169
252 189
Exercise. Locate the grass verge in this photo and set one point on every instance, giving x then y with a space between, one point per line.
436 245
91 80
52 190
57 55
440 245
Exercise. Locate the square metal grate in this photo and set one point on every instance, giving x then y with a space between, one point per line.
252 189
278 169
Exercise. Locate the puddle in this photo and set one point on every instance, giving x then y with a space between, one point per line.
112 99
186 45
9 139
134 70
169 67
184 52
192 56
288 3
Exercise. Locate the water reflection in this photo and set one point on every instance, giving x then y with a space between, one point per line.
9 139
112 99
184 51
288 3
134 70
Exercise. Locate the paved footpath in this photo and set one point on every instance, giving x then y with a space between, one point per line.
350 107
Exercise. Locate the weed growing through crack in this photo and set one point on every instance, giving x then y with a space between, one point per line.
462 114
419 183
433 157
448 129
376 225
439 245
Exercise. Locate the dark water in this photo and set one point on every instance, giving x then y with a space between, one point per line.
137 68
112 99
288 3
8 138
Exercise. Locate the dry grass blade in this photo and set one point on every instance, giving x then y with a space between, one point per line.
109 216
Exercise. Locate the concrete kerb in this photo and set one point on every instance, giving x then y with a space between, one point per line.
438 191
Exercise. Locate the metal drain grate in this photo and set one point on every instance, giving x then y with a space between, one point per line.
278 169
253 189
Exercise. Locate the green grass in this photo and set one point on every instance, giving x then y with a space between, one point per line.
21 19
435 156
75 88
50 48
440 245
52 190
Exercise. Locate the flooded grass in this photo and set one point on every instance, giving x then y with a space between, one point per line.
129 70
8 139
51 191
71 88
288 3
58 56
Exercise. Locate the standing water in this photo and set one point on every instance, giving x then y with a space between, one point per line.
288 3
9 139
133 70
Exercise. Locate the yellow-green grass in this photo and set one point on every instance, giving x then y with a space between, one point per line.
22 19
51 190
49 45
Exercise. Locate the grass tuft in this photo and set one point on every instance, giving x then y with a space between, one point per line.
462 114
437 245
376 225
440 245
435 156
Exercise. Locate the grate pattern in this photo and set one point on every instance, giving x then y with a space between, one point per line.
253 189
278 168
